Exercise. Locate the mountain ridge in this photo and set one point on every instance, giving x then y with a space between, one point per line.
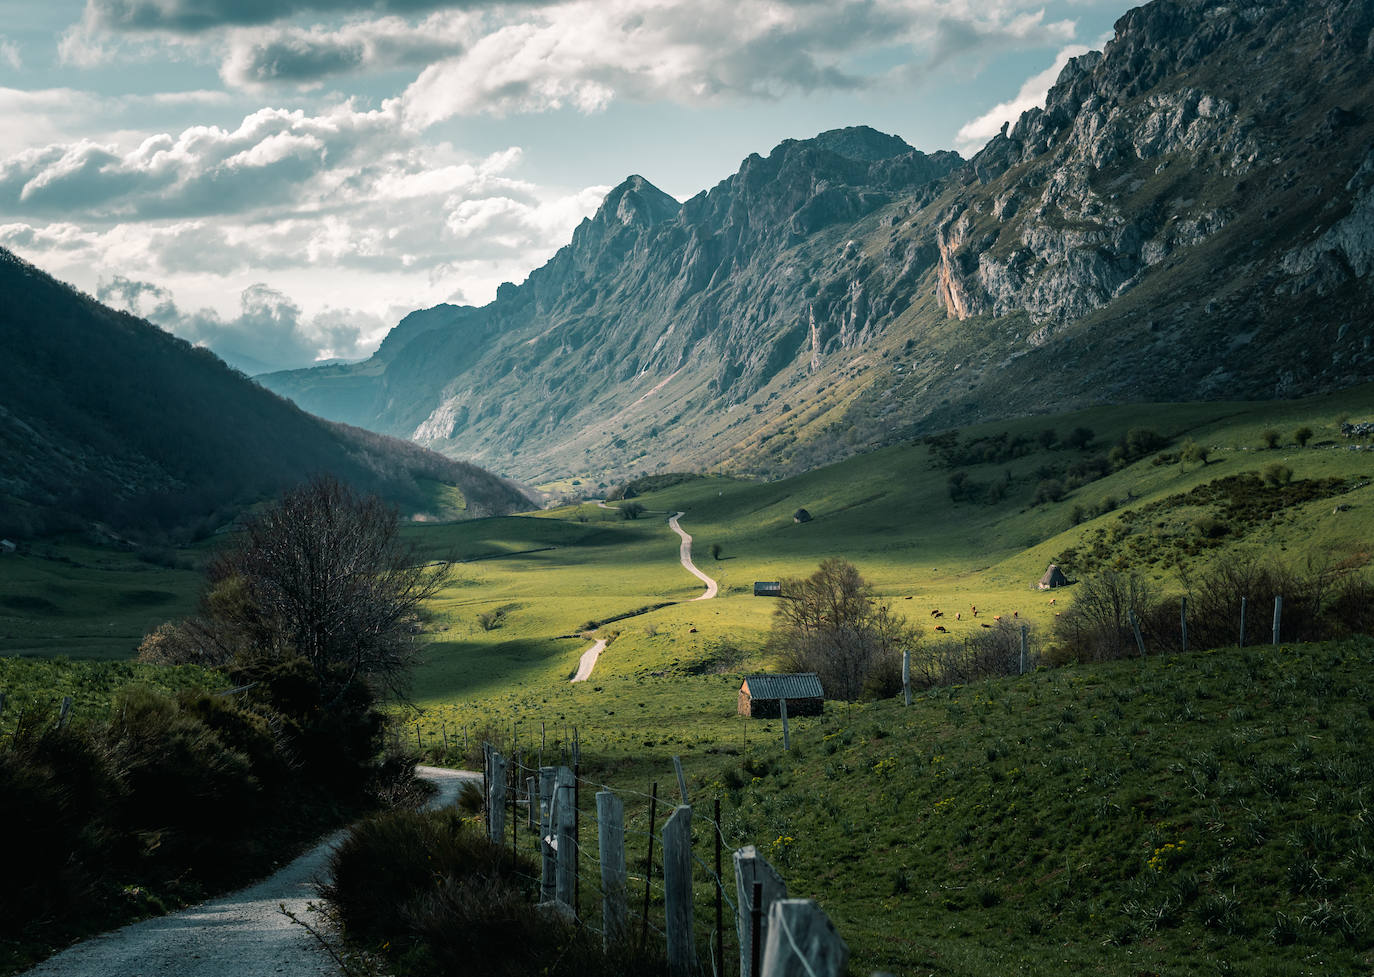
1160 229
107 419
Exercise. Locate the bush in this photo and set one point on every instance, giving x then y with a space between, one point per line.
1277 475
1270 438
430 888
1097 626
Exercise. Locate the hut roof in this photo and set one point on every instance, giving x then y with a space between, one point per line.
805 685
1054 577
767 588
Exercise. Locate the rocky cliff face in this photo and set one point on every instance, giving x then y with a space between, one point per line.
1190 214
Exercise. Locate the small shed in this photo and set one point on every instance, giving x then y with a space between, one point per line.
801 515
1054 577
760 695
767 588
7 546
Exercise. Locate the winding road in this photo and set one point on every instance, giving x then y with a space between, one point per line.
240 935
587 662
685 555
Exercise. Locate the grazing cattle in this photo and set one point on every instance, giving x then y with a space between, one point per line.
986 625
958 616
997 617
1015 613
1052 601
939 613
908 598
974 610
935 613
942 629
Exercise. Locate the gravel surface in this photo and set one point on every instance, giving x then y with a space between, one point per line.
239 935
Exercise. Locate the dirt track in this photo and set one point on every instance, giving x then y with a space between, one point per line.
240 935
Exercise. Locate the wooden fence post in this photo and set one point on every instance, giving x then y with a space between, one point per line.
1135 626
1023 650
1242 622
681 779
786 735
547 887
67 706
1278 615
610 818
496 799
566 845
677 891
906 676
532 792
753 874
802 942
1183 621
719 893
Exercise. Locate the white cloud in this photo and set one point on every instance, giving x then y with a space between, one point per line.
9 54
973 135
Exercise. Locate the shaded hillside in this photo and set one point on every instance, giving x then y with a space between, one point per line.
104 417
1191 214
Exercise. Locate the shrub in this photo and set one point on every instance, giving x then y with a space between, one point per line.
1277 475
1097 626
1302 435
1270 438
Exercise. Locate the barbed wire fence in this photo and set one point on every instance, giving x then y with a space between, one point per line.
635 866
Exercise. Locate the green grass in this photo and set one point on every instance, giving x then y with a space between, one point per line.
1029 840
75 599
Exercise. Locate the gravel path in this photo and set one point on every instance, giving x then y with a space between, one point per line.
587 662
685 556
239 935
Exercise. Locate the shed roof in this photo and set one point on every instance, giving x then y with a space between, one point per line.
806 685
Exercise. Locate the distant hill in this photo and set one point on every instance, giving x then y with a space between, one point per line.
105 418
1189 216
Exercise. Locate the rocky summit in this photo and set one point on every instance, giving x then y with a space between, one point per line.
1191 215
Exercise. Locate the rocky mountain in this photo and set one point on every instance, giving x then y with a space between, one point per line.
105 418
1191 215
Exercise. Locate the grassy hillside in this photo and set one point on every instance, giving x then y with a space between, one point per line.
993 828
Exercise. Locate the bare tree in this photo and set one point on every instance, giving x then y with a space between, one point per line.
322 576
832 624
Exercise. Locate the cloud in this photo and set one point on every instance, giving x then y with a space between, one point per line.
9 54
304 57
584 54
270 331
195 16
973 135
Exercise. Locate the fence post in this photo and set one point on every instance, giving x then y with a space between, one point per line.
496 799
67 705
681 779
1135 626
566 845
610 818
906 676
1278 615
549 876
532 792
757 886
1242 622
1183 621
802 942
786 734
677 891
1023 650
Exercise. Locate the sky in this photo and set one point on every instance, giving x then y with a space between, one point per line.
283 180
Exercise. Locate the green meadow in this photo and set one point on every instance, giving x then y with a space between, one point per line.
1206 813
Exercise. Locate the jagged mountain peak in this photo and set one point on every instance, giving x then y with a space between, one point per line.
636 202
1189 214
